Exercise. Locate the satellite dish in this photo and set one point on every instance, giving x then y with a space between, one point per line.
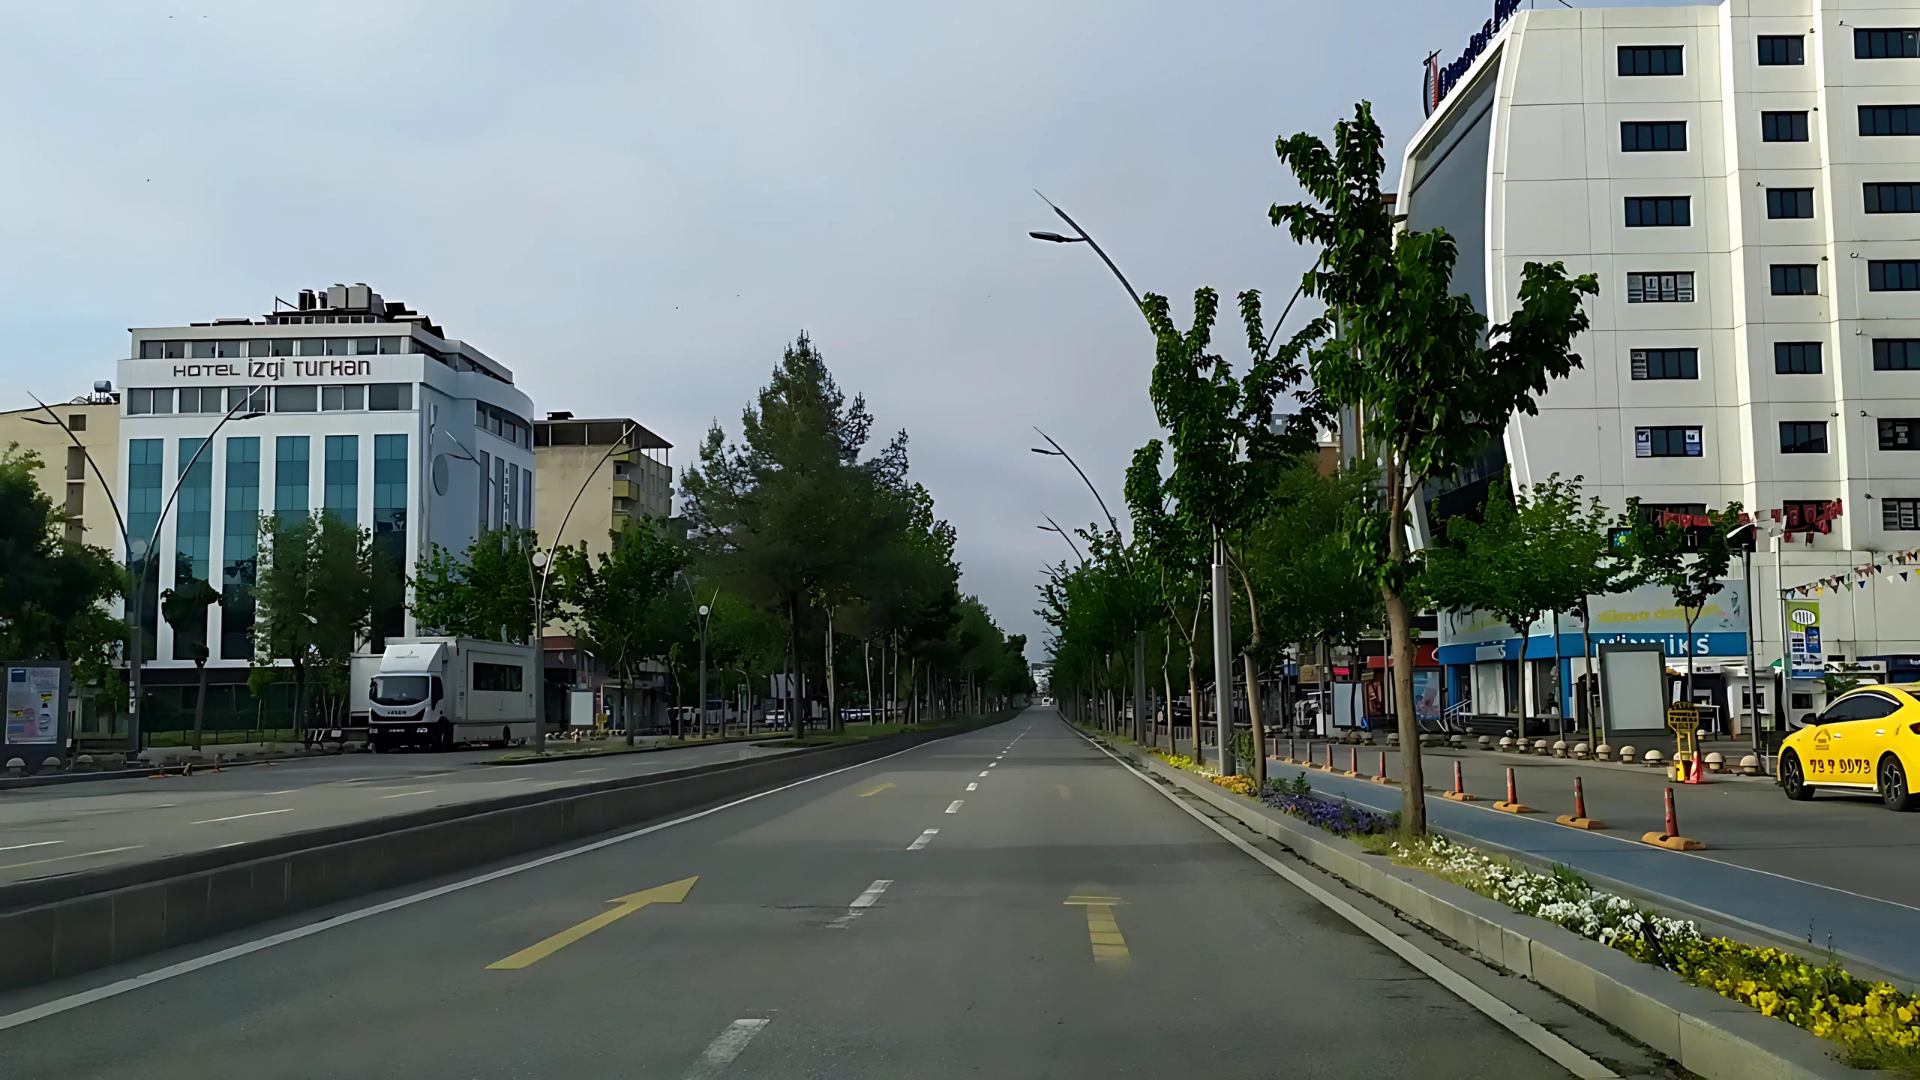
440 474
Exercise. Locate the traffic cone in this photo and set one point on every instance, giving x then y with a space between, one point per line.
1579 819
1330 767
1697 772
1353 761
1512 804
1671 839
1459 792
1382 778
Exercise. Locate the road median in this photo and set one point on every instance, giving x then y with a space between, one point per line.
56 927
1711 1035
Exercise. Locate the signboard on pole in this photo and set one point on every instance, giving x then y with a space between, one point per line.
33 706
1803 638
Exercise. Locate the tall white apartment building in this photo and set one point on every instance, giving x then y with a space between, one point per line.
366 410
1745 181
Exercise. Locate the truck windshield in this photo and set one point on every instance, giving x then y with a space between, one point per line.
399 689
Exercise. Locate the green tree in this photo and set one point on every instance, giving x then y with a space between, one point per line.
1690 563
315 596
615 599
1434 383
485 593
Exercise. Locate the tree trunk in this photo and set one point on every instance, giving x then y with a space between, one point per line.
1166 681
1589 694
1413 805
626 703
200 702
866 665
833 710
1259 731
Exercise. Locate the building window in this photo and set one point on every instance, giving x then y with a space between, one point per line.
390 531
1900 433
1883 275
1796 279
1666 442
1674 288
1637 137
1796 358
342 495
1885 44
1789 202
1650 60
200 399
1666 363
1890 119
338 346
142 402
1803 436
291 478
239 546
1896 354
192 535
1893 198
296 399
200 350
251 399
313 346
1783 127
1675 210
390 397
145 460
485 492
163 350
1782 50
1900 515
342 398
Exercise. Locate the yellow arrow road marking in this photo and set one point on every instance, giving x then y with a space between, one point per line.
877 790
671 893
1103 933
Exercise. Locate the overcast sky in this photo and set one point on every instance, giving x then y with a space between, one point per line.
634 206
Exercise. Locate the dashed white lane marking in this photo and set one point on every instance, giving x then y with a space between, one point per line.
861 903
974 785
725 1047
287 791
925 839
237 817
955 808
36 843
404 794
983 772
991 764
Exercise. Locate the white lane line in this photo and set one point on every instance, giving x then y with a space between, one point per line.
36 843
925 839
65 858
955 808
724 1048
1553 1046
404 794
990 765
861 903
983 772
186 967
237 817
288 791
973 786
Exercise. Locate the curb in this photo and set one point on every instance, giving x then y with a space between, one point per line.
1713 1036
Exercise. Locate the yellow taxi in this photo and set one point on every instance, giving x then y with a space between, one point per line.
1868 739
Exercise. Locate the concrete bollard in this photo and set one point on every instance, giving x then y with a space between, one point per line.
1750 766
1560 748
1540 747
1457 741
1653 757
1716 763
1581 750
1486 742
1505 742
84 761
1393 738
51 764
17 766
1603 752
1626 754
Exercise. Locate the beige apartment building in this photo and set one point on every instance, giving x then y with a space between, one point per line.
75 488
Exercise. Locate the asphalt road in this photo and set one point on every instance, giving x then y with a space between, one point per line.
64 828
1065 919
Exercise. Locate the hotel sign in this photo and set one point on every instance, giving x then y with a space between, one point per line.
276 370
1440 81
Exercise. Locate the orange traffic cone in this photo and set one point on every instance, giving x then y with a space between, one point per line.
1512 804
1579 819
1697 770
1459 792
1353 761
1671 839
1382 778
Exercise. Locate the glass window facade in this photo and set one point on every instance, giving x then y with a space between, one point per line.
342 498
145 466
192 535
239 546
390 533
292 476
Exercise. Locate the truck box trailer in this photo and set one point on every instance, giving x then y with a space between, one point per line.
441 692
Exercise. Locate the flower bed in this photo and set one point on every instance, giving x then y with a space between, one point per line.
1875 1023
1296 798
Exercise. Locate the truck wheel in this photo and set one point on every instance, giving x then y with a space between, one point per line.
446 738
1793 780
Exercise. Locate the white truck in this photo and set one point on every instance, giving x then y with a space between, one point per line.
440 692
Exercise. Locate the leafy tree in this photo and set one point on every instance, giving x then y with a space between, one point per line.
1660 554
315 595
487 593
615 600
185 609
1434 383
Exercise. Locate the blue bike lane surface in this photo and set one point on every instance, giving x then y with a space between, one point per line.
1883 934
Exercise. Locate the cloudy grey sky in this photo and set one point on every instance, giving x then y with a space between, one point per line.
635 205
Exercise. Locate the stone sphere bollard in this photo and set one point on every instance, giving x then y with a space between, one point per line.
1653 757
1506 743
50 764
17 766
1580 750
1560 748
1540 747
1750 766
1716 763
1603 752
1457 741
1486 742
1626 754
84 761
1393 738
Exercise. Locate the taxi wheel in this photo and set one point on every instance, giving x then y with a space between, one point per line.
1792 780
1893 785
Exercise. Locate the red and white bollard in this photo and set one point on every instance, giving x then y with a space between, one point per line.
1382 777
1512 803
1459 792
1579 819
1671 839
1353 761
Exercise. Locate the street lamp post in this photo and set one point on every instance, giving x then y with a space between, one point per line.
704 612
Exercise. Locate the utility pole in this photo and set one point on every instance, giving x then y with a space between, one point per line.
1222 656
704 612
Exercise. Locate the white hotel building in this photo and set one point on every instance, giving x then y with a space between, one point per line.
368 411
1745 181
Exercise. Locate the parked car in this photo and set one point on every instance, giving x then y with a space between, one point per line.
1866 740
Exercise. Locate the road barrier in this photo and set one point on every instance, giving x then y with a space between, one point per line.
1459 792
1353 762
1512 804
1381 777
1671 839
1579 819
55 927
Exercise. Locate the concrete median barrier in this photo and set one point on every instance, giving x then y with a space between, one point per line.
64 926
